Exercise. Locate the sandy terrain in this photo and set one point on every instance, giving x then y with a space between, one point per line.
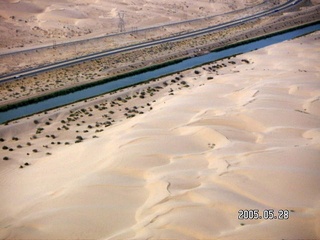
44 21
57 23
99 69
175 158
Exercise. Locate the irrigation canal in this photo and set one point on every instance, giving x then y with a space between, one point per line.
145 76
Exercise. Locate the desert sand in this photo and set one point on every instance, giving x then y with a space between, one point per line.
51 82
242 133
26 26
42 21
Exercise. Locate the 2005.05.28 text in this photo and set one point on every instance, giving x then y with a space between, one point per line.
267 214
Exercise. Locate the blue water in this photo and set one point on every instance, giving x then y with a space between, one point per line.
127 81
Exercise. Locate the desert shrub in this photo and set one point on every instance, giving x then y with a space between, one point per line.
39 130
79 138
5 158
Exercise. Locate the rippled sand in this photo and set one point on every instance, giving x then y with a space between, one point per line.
247 139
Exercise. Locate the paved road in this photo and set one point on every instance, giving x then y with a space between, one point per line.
29 72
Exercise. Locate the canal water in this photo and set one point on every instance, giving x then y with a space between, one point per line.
142 77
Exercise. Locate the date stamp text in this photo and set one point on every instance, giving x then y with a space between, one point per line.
267 214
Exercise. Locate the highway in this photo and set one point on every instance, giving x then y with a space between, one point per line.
40 69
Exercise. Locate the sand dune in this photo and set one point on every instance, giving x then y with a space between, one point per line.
247 139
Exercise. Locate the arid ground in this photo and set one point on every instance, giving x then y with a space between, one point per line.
173 158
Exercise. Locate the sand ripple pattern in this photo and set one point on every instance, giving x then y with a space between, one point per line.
248 139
